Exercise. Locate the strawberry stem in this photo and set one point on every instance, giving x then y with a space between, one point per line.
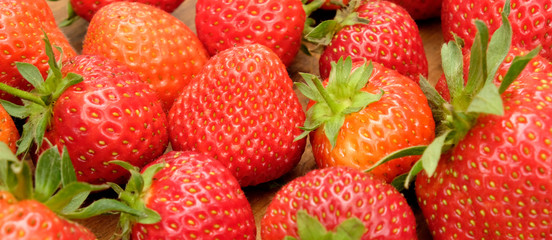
22 94
332 104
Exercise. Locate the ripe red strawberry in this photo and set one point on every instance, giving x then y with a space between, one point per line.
352 124
110 115
390 37
87 8
37 205
195 197
333 195
8 132
153 43
241 109
22 24
492 180
277 24
423 9
531 21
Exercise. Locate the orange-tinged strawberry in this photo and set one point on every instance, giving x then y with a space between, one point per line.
153 43
8 131
87 8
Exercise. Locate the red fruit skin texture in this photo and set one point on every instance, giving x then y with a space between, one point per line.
495 183
391 38
277 24
531 21
111 115
241 109
197 198
421 9
153 43
21 25
333 195
8 132
402 118
87 8
31 220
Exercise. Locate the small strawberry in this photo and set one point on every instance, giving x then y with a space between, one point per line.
363 114
33 206
87 8
23 23
8 131
277 24
354 204
242 110
153 43
531 21
110 115
187 195
379 31
421 9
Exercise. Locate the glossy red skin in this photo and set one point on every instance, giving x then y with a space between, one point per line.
87 8
30 219
381 128
421 9
153 43
21 37
8 132
529 29
242 110
391 38
197 198
501 170
339 193
277 24
111 115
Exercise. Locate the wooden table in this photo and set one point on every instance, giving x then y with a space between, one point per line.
260 196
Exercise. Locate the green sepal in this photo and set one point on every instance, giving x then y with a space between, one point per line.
15 110
47 174
405 152
15 175
432 154
71 16
478 64
399 182
517 66
103 206
68 174
487 100
452 63
440 108
416 168
69 198
31 73
309 228
332 128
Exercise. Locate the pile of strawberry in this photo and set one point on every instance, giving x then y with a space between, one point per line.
177 122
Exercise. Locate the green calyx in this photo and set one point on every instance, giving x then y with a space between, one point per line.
342 96
323 33
133 197
54 184
38 103
308 227
478 96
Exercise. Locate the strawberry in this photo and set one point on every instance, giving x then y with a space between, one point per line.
419 10
361 116
22 24
153 43
530 20
87 8
191 195
490 180
34 206
277 24
379 31
110 115
242 110
342 199
8 131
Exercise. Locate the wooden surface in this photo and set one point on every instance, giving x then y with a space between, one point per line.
260 196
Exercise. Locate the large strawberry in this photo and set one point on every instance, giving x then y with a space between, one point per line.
186 195
492 180
34 206
242 110
153 43
379 31
277 24
87 8
8 131
352 203
22 24
531 21
110 115
351 123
